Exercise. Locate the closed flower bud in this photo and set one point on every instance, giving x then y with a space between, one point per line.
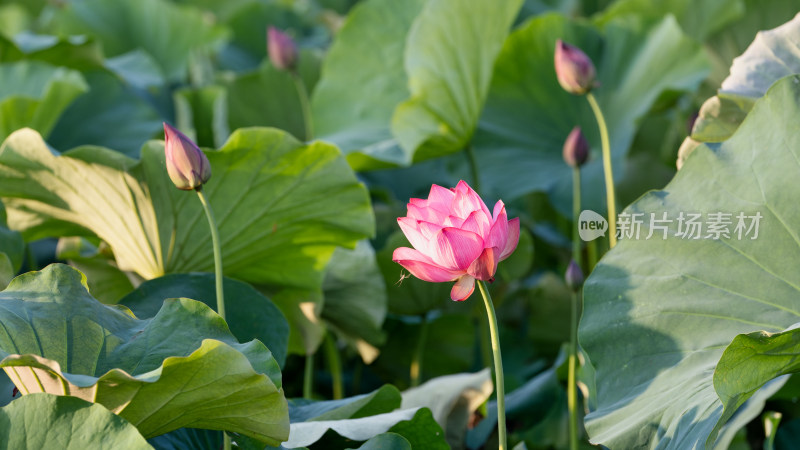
282 50
575 71
187 165
574 276
576 148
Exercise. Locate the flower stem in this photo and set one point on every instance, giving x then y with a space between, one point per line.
591 254
305 105
335 366
498 366
572 396
576 212
212 224
308 376
573 339
416 363
217 253
609 176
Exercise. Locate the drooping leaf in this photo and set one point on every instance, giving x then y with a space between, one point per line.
449 64
772 55
373 40
382 400
425 78
182 368
167 32
74 52
698 18
659 312
528 116
34 94
69 423
282 207
249 314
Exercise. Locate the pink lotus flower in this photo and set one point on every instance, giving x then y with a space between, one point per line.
455 238
187 165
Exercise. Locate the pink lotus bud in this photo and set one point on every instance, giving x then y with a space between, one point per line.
282 49
574 276
576 148
456 238
187 165
574 69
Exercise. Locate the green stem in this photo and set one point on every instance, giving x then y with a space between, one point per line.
305 105
308 376
416 362
576 212
217 253
591 253
609 176
498 366
335 366
572 396
226 443
473 168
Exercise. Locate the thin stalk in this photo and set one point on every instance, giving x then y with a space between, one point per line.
416 362
473 168
609 176
226 440
308 376
334 365
572 395
305 105
576 212
591 254
498 366
217 253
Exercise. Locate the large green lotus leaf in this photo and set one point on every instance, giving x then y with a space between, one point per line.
772 55
182 368
250 315
449 58
110 115
69 423
355 296
74 52
698 18
34 94
659 312
166 31
528 115
372 39
282 207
